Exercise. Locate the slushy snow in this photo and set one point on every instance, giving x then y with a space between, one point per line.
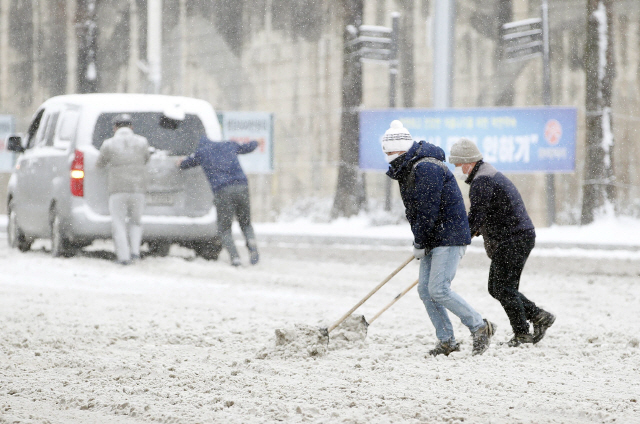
184 340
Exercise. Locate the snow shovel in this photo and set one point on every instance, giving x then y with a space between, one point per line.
395 299
325 331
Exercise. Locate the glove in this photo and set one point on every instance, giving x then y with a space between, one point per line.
418 252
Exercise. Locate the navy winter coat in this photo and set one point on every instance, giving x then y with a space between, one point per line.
497 209
433 201
219 160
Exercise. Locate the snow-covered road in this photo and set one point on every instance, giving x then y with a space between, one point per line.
183 340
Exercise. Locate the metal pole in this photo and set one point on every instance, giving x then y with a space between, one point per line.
154 44
443 43
182 7
550 186
393 73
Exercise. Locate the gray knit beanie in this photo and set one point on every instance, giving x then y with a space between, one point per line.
464 151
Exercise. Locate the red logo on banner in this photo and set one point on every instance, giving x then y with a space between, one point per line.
553 132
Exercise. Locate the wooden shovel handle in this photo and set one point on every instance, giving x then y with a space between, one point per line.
337 323
395 299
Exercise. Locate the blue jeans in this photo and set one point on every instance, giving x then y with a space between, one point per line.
437 269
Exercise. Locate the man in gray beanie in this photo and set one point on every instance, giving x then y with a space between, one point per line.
498 214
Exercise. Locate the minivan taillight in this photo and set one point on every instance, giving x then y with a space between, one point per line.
77 174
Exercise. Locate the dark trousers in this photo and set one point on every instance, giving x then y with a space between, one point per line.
230 201
507 263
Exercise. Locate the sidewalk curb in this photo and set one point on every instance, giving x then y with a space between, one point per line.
327 240
331 239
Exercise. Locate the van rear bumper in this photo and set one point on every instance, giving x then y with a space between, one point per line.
85 224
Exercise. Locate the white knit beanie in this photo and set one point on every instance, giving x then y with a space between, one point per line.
464 151
397 138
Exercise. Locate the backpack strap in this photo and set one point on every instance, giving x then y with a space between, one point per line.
411 180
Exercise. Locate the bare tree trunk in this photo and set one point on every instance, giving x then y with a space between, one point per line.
598 190
55 54
349 197
87 34
21 40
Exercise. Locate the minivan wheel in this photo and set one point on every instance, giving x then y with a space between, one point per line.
159 248
209 250
60 246
15 236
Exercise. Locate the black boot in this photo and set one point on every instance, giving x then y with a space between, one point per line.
445 348
482 338
253 251
519 339
541 323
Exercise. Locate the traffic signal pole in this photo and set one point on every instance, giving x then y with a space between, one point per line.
550 186
393 73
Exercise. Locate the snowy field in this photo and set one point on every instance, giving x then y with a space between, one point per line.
183 340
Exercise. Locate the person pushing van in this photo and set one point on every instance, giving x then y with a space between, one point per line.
219 161
125 156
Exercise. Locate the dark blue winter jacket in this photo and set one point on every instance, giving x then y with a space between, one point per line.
432 198
219 160
497 209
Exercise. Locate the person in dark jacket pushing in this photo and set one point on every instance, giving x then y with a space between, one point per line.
219 161
498 213
435 210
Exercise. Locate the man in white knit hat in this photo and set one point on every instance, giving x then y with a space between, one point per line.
435 210
396 141
498 214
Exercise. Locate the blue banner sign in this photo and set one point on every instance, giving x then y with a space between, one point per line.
525 140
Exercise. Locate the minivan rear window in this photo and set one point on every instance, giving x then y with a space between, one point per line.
179 142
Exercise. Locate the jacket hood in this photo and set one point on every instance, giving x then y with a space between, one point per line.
399 167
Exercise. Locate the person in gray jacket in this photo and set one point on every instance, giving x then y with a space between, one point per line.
125 156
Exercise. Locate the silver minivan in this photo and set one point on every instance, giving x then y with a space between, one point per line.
56 191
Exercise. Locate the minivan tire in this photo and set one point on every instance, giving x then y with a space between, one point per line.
159 248
15 236
60 246
209 250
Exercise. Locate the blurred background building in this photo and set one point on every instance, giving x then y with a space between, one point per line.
285 57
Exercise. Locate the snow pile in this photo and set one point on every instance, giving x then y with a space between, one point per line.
309 341
620 231
606 232
302 340
351 333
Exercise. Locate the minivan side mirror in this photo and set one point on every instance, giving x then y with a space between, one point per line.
14 144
